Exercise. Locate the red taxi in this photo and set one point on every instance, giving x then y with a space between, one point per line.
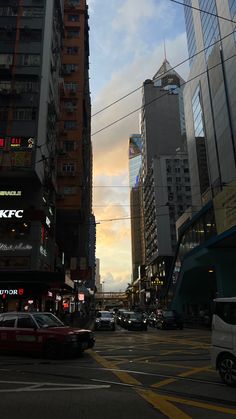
42 332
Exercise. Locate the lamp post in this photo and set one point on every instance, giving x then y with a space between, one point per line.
103 290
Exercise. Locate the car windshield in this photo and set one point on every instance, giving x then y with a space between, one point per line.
47 320
136 316
105 315
168 313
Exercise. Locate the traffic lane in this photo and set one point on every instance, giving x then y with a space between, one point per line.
188 374
85 402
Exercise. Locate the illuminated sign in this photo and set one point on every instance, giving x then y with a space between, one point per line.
21 142
2 143
10 193
81 296
13 247
11 213
19 291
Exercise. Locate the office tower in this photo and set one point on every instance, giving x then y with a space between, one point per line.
164 168
210 98
136 212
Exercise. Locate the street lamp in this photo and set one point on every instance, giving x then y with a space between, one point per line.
103 290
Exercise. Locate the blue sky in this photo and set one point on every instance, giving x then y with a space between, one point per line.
126 47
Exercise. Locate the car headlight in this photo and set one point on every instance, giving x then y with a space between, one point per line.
112 320
129 321
97 320
144 321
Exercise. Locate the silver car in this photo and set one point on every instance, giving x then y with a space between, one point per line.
104 321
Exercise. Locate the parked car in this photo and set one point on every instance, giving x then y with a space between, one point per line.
42 332
223 348
135 321
167 319
104 321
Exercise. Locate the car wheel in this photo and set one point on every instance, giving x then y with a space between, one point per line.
52 350
227 369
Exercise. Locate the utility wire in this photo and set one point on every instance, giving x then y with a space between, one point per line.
203 11
163 74
160 97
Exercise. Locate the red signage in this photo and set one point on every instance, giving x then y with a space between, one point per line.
2 142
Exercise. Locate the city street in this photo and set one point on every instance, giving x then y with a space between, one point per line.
152 374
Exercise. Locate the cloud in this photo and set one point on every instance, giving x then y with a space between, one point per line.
127 49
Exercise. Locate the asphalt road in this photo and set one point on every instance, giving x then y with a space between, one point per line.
153 374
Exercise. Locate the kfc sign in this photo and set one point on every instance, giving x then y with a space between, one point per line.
11 213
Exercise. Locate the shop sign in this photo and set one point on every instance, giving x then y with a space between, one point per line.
14 247
11 213
10 193
49 294
19 291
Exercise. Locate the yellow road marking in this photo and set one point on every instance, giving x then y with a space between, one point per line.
160 403
183 374
123 376
202 405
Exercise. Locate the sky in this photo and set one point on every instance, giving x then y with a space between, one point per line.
126 47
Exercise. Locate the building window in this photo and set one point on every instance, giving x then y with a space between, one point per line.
68 167
71 125
29 60
69 145
69 190
210 24
198 114
169 179
187 179
73 18
187 188
6 60
191 38
3 114
73 2
71 87
72 50
73 33
70 106
24 114
27 86
69 68
30 35
33 12
232 7
8 11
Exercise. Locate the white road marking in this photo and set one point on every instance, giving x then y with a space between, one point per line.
38 386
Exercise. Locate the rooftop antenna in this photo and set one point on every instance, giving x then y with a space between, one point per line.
165 50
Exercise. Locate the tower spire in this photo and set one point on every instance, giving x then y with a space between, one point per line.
164 50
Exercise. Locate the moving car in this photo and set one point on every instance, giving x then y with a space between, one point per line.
223 349
42 332
135 321
167 319
104 321
119 315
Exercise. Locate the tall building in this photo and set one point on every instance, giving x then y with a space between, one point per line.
135 183
166 182
210 98
74 162
205 257
45 151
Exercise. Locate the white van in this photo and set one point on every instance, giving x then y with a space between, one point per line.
223 349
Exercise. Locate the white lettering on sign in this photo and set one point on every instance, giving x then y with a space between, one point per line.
4 247
11 213
10 193
9 292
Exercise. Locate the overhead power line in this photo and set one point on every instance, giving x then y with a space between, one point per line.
203 11
160 97
166 72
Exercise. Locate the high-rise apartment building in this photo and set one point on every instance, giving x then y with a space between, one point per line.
74 163
35 156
